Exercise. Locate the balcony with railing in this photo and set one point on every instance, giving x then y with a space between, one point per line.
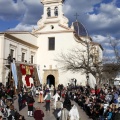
6 62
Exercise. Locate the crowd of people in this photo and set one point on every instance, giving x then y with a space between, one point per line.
102 104
99 104
7 110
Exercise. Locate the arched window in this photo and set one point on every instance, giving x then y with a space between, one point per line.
48 12
56 11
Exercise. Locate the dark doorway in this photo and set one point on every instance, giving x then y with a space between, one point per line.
50 80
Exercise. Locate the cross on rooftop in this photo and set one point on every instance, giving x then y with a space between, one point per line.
76 15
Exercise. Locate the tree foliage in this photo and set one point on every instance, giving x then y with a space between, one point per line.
111 63
80 60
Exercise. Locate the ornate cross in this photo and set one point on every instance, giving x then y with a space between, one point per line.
76 15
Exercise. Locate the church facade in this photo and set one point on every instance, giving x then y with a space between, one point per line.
42 46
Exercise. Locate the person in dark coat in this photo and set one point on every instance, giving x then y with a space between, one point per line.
101 111
116 115
30 105
11 93
67 103
54 92
20 100
38 114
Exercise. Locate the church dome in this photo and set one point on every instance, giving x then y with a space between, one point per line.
79 29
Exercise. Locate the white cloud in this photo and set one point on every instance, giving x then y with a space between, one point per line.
118 9
28 12
99 38
34 9
23 27
109 51
11 10
107 20
105 42
99 24
79 6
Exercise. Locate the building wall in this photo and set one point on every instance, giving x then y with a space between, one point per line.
1 57
6 44
64 42
27 37
19 48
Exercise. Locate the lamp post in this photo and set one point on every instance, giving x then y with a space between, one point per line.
86 41
88 54
75 82
87 77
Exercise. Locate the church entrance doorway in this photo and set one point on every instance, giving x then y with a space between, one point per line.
50 80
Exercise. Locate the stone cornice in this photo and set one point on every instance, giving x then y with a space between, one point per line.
67 28
54 21
63 26
20 41
55 32
51 1
50 69
18 32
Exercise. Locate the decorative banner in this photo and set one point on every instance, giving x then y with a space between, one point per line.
27 81
38 71
27 72
14 73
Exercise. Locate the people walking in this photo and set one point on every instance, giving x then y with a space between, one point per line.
40 97
63 114
59 107
55 97
47 100
67 103
74 114
30 105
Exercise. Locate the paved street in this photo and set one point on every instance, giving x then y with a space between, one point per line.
48 116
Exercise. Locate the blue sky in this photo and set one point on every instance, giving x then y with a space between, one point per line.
100 17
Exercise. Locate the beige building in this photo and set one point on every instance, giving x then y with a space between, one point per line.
42 45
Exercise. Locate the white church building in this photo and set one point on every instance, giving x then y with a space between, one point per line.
40 47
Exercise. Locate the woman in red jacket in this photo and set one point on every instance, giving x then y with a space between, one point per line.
38 114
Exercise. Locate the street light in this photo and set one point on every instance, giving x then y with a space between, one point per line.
88 54
87 77
75 82
82 31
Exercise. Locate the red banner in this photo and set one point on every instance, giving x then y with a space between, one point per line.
26 70
27 73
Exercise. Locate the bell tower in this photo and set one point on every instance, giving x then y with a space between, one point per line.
52 8
52 13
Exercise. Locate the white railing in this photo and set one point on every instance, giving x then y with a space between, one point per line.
5 62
